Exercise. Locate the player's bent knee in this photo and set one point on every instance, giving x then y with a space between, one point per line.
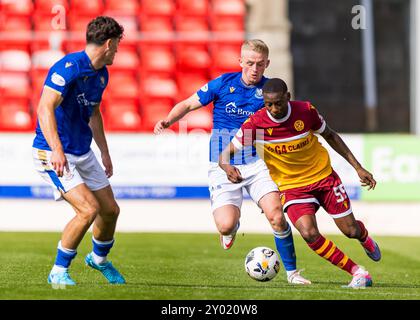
111 212
278 222
226 228
310 235
89 212
351 232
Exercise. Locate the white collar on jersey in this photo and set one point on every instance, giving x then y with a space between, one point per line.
289 111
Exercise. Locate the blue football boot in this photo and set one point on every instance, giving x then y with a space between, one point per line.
59 280
107 269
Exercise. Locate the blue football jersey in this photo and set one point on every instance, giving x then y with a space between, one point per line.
233 102
81 88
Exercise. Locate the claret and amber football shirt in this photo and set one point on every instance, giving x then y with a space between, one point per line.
288 146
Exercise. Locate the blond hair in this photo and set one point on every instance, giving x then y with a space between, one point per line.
255 45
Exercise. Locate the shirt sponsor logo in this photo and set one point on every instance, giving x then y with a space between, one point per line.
58 80
231 108
81 99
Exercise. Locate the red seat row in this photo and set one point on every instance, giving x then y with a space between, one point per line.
161 59
123 115
151 7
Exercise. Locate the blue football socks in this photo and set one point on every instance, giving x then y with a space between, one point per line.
285 246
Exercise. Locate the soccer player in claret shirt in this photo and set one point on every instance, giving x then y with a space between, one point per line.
283 133
68 119
235 97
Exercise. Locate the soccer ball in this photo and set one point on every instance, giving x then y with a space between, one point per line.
262 264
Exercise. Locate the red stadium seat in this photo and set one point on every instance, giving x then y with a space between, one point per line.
15 42
15 23
77 22
155 24
157 59
158 87
229 7
191 24
15 60
46 6
158 8
75 44
50 34
44 59
122 85
153 110
122 115
227 24
15 85
129 22
91 7
129 7
189 83
15 115
16 32
37 79
126 59
193 8
201 119
191 57
21 7
225 57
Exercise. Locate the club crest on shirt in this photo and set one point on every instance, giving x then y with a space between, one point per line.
270 131
231 89
258 93
299 125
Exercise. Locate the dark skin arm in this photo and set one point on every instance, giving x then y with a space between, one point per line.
335 141
233 173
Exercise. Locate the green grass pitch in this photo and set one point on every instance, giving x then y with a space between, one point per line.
176 266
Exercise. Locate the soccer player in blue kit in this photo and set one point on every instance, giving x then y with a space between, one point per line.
68 119
235 97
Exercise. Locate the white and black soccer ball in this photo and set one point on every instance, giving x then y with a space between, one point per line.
262 264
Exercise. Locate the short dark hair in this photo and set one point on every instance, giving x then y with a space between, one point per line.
103 28
275 85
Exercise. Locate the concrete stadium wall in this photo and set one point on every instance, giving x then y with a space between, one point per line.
402 219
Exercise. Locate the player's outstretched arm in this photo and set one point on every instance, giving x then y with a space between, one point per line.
178 112
98 132
51 99
233 173
335 141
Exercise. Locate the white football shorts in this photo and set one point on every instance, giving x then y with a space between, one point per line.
83 169
256 181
